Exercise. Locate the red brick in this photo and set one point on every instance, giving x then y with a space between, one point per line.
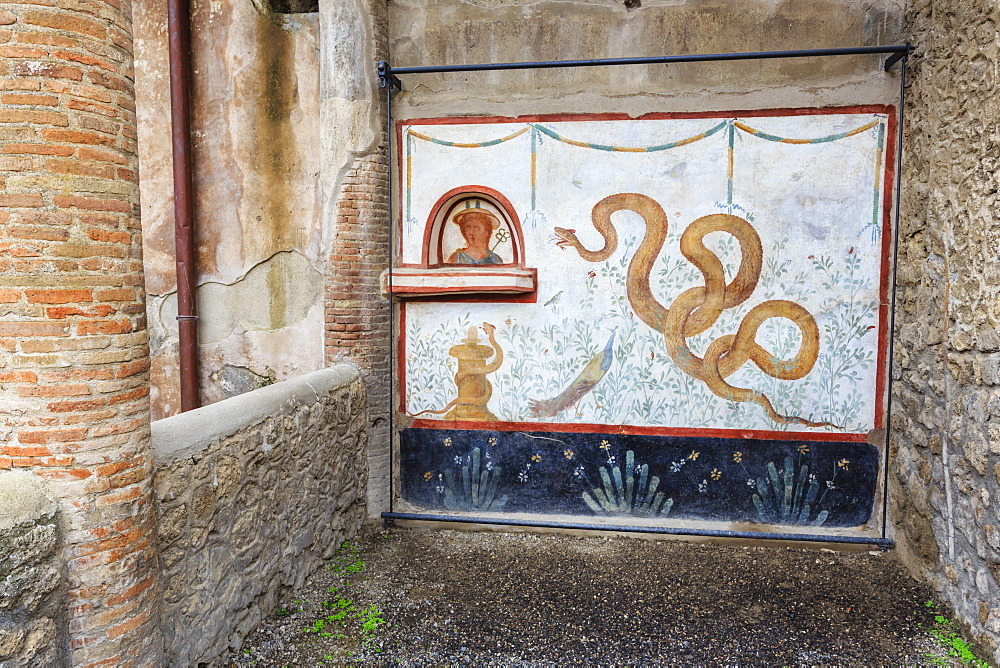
20 199
77 137
40 233
65 21
38 149
46 38
103 156
80 167
25 451
96 311
18 376
122 326
131 592
52 436
133 368
68 201
129 396
85 60
21 52
35 68
58 296
71 406
63 375
110 236
9 296
23 98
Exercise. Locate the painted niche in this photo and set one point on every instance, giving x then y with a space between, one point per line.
472 243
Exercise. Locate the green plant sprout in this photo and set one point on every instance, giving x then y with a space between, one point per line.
955 646
621 495
787 498
477 490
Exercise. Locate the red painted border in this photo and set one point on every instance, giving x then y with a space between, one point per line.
889 157
579 428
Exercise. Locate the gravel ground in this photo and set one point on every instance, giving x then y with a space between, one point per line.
521 599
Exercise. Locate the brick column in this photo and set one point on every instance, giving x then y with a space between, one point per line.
74 379
355 164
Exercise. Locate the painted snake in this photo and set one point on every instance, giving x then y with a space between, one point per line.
697 309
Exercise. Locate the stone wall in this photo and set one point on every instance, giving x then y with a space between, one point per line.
33 601
253 493
946 416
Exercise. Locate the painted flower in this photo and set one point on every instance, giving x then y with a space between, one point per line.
843 463
458 459
605 445
694 455
568 454
578 471
830 485
439 489
676 466
536 458
523 476
428 476
507 322
492 441
703 486
591 274
803 449
716 474
502 235
447 442
612 460
751 482
738 457
812 477
489 466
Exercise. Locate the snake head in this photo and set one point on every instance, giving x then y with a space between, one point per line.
488 328
565 237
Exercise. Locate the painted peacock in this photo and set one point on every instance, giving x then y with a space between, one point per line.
584 383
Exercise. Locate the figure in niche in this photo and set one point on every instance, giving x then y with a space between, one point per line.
477 226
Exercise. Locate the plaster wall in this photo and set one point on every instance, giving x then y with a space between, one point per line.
946 419
255 129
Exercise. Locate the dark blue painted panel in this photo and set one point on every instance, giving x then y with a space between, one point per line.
716 479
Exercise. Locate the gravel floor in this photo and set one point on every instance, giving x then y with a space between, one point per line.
520 599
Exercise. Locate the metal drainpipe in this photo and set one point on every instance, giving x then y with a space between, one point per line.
179 36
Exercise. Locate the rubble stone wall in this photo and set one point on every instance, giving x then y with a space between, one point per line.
945 494
253 493
33 601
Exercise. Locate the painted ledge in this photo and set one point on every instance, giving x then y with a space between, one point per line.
186 434
423 282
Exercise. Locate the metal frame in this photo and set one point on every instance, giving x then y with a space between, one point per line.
388 79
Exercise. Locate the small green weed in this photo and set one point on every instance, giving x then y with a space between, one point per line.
954 645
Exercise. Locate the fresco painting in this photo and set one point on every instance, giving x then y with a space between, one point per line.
707 277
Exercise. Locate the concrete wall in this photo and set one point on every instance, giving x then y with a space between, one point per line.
252 494
33 600
255 129
946 422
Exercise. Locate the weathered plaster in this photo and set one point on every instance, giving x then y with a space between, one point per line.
255 126
268 321
437 32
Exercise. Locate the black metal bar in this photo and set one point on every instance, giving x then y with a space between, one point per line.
672 531
896 50
392 310
892 294
896 57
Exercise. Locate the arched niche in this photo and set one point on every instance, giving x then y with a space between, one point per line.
437 275
442 236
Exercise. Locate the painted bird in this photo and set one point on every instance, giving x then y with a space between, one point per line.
584 383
